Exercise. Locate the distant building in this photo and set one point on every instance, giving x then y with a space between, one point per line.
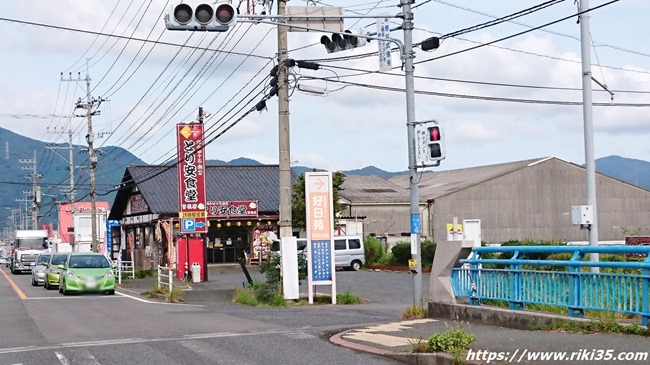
521 200
147 206
75 225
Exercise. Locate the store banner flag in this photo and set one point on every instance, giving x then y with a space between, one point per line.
191 178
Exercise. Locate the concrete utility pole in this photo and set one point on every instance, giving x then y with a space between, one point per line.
70 160
590 163
283 128
407 26
33 176
90 137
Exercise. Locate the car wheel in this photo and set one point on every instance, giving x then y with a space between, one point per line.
45 284
356 265
111 292
34 283
62 288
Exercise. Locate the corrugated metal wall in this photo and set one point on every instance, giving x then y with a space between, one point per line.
535 203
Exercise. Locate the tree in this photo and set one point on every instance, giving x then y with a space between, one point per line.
298 205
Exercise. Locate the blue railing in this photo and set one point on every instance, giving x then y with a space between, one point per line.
522 281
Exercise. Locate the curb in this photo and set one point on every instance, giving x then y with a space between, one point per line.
411 358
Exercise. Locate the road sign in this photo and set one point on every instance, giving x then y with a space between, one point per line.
384 51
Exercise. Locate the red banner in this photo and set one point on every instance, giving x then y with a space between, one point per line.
232 209
191 178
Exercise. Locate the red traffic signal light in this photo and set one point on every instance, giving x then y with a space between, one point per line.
434 134
225 14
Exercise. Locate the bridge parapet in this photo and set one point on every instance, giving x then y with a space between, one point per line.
520 280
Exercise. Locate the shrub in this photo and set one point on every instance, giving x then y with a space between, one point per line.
271 267
428 250
401 253
373 250
266 292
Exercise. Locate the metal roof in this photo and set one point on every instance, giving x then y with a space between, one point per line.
435 184
372 189
159 186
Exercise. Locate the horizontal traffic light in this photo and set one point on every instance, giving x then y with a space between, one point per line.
341 42
201 16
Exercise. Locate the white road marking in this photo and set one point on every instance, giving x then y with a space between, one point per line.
62 358
130 341
369 334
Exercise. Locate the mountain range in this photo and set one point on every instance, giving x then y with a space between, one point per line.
21 155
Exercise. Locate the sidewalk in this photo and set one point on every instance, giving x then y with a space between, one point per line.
396 340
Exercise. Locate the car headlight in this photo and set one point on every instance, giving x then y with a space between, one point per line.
109 274
71 274
55 272
39 271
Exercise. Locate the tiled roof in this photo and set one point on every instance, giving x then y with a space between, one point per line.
159 186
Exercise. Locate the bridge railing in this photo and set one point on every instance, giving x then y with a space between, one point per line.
521 281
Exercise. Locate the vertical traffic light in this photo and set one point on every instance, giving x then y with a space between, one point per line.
436 146
200 15
341 42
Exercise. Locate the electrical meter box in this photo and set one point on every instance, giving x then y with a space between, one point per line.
582 214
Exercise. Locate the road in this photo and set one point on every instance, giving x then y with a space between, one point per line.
45 327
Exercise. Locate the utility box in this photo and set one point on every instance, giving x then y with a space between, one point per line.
582 214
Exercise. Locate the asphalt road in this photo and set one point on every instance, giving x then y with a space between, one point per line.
43 327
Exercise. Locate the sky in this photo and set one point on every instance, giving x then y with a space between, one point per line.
499 100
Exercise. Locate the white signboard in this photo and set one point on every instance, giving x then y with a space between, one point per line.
383 31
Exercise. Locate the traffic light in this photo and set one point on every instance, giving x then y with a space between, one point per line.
340 42
201 16
436 146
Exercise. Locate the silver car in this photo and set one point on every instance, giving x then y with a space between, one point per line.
38 270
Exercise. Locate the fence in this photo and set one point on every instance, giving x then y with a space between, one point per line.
125 267
523 281
165 277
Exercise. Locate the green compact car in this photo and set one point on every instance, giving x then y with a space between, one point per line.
51 279
87 272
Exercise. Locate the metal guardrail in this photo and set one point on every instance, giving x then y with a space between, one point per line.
125 267
571 288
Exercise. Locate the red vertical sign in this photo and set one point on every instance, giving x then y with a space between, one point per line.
191 178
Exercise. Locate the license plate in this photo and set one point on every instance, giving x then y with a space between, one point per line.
90 284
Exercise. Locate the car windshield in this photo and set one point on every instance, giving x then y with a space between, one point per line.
88 262
42 259
58 259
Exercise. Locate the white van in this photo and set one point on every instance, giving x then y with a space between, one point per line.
349 252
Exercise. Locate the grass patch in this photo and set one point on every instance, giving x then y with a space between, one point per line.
414 312
175 296
453 341
245 297
590 327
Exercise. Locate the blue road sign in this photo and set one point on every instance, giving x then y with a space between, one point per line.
415 223
188 224
200 224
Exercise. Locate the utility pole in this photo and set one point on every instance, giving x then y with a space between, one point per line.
587 113
407 26
36 196
88 105
70 160
283 128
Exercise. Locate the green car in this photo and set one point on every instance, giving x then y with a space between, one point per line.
87 272
51 279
